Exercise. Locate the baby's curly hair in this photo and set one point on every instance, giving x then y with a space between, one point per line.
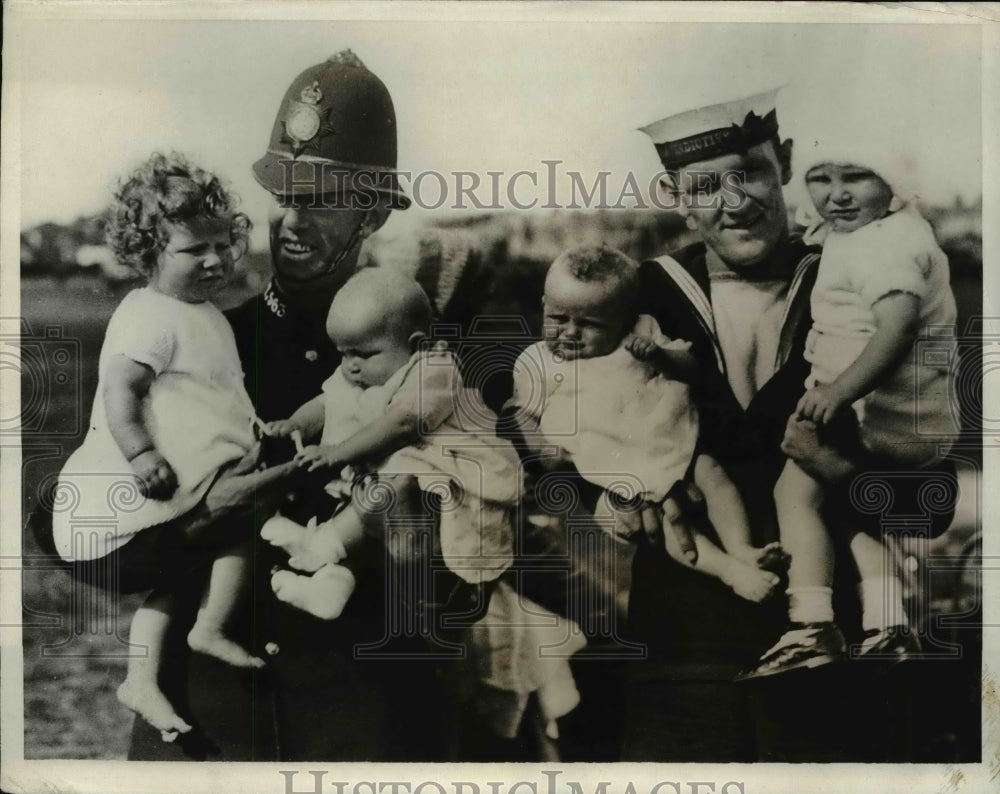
167 189
602 264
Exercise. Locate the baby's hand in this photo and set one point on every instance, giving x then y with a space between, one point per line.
158 478
283 428
642 347
821 403
318 457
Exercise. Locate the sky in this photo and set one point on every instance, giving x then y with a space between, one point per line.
96 97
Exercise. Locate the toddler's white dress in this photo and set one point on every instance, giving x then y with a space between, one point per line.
909 417
197 412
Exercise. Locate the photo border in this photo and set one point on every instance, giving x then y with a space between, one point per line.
84 776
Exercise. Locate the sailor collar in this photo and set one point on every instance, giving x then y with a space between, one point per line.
777 266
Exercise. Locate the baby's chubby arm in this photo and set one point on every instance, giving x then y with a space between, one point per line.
676 364
307 419
392 431
896 320
126 383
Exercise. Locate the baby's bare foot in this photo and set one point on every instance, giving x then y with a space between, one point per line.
773 558
146 700
748 581
324 594
769 558
211 641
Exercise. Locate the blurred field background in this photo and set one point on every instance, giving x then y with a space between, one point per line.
490 268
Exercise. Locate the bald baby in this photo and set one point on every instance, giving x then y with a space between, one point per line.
376 321
381 298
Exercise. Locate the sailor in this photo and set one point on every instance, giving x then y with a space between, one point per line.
741 297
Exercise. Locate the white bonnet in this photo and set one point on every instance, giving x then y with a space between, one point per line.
867 126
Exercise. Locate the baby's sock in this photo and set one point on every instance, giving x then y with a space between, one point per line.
324 544
810 604
324 594
286 534
882 603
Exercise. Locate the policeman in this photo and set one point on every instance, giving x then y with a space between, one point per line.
741 296
330 165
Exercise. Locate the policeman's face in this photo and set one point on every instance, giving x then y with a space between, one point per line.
735 202
305 241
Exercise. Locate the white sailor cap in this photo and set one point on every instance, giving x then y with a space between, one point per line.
707 132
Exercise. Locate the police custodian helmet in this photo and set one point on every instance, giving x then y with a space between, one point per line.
335 134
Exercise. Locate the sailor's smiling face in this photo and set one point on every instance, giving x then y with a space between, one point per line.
735 201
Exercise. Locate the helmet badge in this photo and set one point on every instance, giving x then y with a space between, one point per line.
304 123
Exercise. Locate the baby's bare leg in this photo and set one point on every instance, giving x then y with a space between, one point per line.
729 517
799 501
871 557
881 586
747 581
227 584
141 691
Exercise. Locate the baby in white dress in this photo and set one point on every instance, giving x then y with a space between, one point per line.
171 411
883 283
613 392
397 409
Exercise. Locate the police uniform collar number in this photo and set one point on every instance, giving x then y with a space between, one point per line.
274 300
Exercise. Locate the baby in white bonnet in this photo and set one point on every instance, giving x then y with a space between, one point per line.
883 282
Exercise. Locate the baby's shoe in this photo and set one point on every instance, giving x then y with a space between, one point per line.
892 644
285 534
802 646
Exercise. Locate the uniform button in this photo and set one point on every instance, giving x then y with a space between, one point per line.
272 649
311 355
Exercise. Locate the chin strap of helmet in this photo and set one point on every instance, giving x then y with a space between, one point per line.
353 240
334 262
